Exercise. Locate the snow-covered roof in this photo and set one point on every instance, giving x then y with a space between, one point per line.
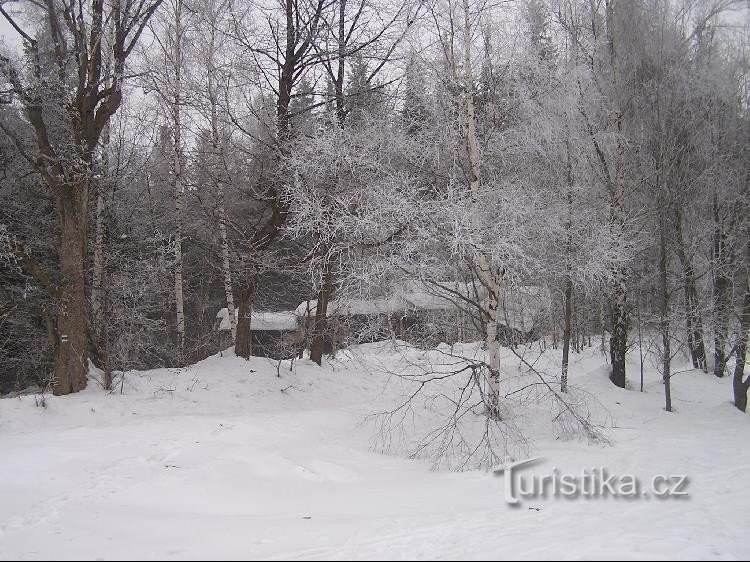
347 307
275 321
409 296
518 308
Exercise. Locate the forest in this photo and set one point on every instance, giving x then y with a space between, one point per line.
165 160
311 278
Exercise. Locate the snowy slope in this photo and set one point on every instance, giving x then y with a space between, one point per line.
225 459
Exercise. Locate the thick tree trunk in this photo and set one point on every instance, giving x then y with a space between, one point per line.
94 93
618 343
618 340
243 345
71 354
320 325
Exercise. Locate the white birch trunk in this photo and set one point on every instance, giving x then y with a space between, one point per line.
226 264
178 185
487 273
218 177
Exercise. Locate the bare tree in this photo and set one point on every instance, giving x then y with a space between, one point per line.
213 44
282 53
355 32
66 101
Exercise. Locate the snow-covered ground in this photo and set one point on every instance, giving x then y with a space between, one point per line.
225 460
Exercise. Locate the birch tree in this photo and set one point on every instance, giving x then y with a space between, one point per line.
166 78
213 45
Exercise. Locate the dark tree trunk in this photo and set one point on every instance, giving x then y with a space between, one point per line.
664 321
722 293
723 290
65 155
297 45
577 327
618 342
693 320
320 324
640 339
566 333
243 345
71 353
739 383
615 176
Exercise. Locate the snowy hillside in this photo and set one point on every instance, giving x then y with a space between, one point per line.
253 459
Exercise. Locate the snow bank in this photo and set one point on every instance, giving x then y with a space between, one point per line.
259 459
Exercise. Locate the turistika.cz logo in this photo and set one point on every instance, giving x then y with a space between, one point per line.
596 482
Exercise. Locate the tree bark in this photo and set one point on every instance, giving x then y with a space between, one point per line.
568 296
226 268
243 345
98 293
317 347
493 351
99 224
722 293
566 333
71 354
218 176
618 340
664 321
693 320
178 186
740 384
76 93
320 325
298 43
487 272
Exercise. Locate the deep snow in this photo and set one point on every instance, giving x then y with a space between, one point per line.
227 460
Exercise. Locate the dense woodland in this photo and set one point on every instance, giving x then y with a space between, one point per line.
164 159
